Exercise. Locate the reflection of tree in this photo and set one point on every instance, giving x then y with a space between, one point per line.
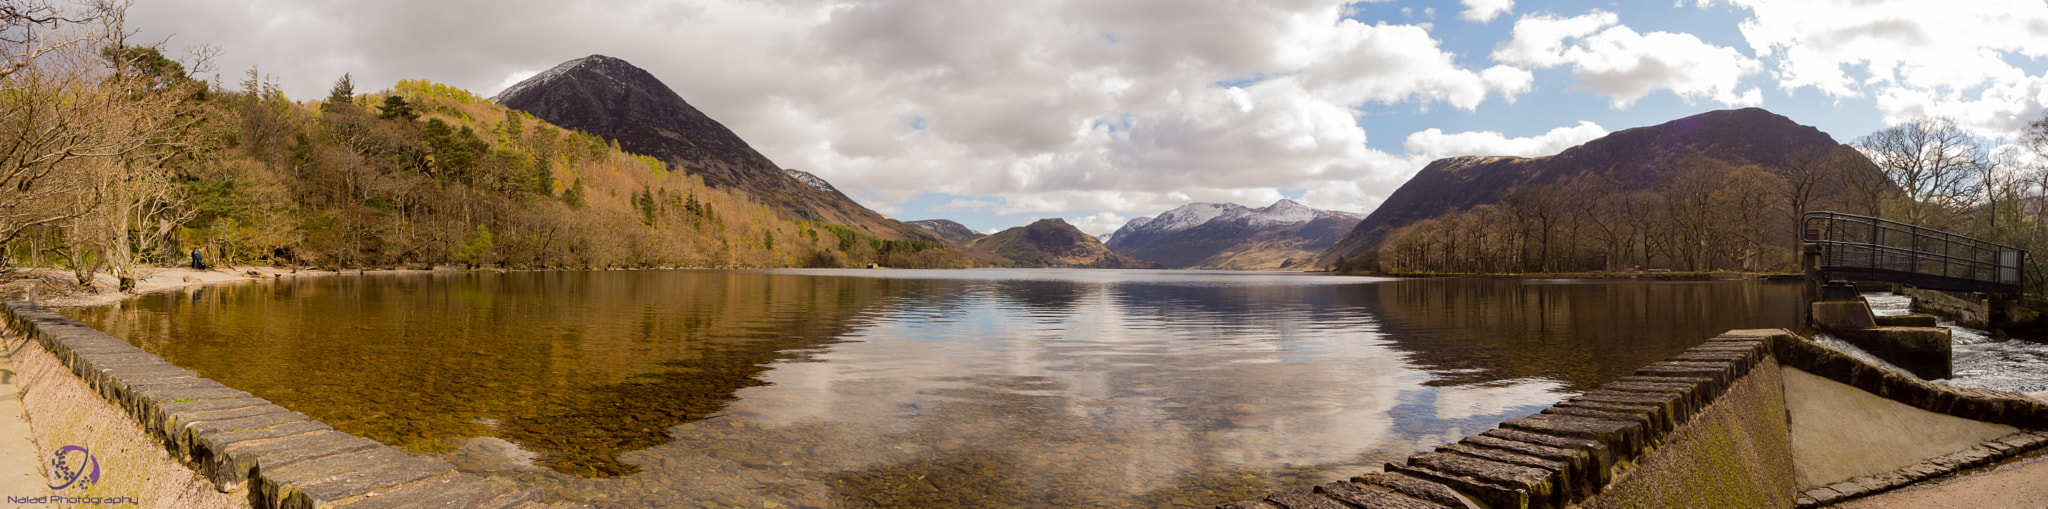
577 366
1483 330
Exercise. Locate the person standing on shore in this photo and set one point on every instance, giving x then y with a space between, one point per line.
198 262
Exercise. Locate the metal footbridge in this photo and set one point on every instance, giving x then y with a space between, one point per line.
1844 247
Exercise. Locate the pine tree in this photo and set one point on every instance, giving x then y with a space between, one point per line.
344 92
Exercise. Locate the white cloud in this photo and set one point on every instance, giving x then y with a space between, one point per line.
965 204
1483 11
1099 223
1915 57
1434 144
1036 103
1616 61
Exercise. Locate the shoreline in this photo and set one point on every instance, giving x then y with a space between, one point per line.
1643 276
60 289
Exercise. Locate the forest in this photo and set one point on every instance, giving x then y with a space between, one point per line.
114 157
1707 214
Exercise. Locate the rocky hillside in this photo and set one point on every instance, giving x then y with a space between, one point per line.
613 99
948 231
1054 243
1230 236
1637 158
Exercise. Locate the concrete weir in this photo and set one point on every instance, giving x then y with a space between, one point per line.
164 435
1751 418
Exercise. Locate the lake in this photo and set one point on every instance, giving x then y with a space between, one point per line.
907 388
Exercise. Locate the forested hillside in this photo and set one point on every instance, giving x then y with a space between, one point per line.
1720 190
116 157
1717 191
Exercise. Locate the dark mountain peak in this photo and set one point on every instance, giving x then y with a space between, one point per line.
1634 157
1054 243
618 101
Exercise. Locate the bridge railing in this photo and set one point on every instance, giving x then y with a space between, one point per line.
1862 247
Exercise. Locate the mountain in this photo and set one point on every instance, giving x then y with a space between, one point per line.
1054 243
1230 236
1635 157
816 182
947 230
615 100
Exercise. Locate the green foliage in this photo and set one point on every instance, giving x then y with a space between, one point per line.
427 88
886 247
344 92
573 197
456 152
476 250
395 107
654 166
650 210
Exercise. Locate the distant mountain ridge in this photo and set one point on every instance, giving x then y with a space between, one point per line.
1054 243
613 99
1285 234
947 230
1634 157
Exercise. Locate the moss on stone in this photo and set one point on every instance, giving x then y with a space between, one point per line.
1730 455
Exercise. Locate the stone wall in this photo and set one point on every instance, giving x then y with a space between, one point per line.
1733 453
1710 424
238 443
1576 451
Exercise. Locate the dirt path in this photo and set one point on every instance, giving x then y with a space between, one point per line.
19 458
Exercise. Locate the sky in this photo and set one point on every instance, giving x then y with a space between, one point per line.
996 113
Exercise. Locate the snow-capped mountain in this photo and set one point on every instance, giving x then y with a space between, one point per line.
1232 236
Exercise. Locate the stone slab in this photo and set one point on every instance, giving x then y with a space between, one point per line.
453 490
1487 494
1583 470
1418 488
1361 495
1602 457
317 482
1624 438
1298 498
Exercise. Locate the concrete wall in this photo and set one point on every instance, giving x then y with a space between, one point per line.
161 430
1746 419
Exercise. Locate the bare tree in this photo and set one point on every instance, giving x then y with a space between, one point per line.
1935 164
75 117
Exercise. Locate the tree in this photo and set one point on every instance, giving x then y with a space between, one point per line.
1805 172
395 107
1934 163
70 118
344 92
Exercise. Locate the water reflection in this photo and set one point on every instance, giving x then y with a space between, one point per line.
987 388
1579 332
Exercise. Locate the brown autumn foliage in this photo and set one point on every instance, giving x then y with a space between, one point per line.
1702 214
153 165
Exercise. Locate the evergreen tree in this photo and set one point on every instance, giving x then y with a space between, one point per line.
344 92
396 107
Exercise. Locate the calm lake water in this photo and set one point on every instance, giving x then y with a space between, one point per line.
903 388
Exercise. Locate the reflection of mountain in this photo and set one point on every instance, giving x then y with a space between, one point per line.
1051 296
1483 330
579 366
